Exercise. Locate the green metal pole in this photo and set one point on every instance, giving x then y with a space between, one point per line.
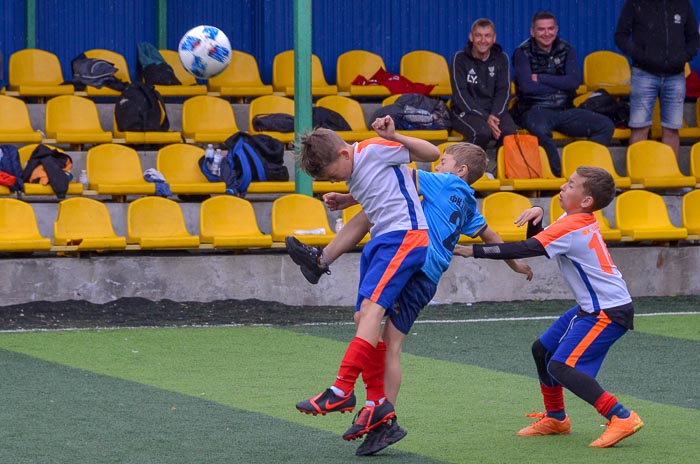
31 24
302 86
162 24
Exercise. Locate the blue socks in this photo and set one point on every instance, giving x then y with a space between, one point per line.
558 415
618 410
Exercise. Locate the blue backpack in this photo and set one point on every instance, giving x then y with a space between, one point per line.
241 166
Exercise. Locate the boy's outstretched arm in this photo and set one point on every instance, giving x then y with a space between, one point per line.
421 150
352 232
491 236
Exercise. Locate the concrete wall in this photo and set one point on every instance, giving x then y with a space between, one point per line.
272 276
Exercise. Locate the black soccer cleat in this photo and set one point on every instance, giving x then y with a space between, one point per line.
369 418
380 437
326 402
306 257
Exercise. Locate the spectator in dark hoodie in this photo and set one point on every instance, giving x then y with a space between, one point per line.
659 37
480 75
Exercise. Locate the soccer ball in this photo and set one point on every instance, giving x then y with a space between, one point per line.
204 51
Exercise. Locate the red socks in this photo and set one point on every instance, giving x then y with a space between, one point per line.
373 374
356 359
605 403
553 398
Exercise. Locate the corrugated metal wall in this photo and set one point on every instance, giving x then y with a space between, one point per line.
264 27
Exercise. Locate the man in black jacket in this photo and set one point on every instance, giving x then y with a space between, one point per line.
480 75
547 75
660 36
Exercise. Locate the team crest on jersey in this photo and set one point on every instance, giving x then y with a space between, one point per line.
472 78
492 71
677 18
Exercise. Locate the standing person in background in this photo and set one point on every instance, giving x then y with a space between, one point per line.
659 37
480 75
547 75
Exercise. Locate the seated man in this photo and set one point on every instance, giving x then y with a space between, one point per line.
547 75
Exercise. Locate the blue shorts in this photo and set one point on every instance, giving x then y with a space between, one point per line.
580 340
644 90
416 295
387 264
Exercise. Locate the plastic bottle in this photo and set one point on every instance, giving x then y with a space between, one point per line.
338 225
83 178
209 152
216 164
317 231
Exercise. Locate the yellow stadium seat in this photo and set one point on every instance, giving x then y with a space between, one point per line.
295 213
434 135
229 222
351 111
608 233
587 153
241 78
695 163
359 62
283 76
642 215
36 73
86 223
188 84
607 70
74 120
207 119
427 67
179 164
156 222
116 170
25 152
269 104
15 126
548 181
652 164
483 184
18 228
349 213
690 211
500 210
122 73
145 137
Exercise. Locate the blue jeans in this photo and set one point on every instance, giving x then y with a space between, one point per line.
646 88
574 122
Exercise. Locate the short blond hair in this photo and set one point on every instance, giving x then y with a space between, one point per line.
599 184
319 149
470 155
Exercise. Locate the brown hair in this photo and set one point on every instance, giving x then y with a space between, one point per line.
483 22
319 148
599 184
473 156
542 15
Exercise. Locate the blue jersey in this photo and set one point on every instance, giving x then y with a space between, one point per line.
450 210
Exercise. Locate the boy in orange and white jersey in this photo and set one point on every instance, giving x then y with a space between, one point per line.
570 353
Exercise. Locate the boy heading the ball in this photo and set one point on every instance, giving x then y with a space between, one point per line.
375 173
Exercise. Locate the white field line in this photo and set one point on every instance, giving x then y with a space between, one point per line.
320 324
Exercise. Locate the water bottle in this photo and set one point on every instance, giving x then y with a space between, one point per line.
83 179
209 153
338 225
216 165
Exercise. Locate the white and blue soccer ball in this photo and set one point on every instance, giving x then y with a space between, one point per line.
204 51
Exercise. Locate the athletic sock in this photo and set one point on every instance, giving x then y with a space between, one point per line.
608 406
355 360
373 375
553 401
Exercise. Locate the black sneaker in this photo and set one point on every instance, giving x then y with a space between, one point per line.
380 437
326 402
369 418
306 257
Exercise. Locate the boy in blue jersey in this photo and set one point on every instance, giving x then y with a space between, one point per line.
450 210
